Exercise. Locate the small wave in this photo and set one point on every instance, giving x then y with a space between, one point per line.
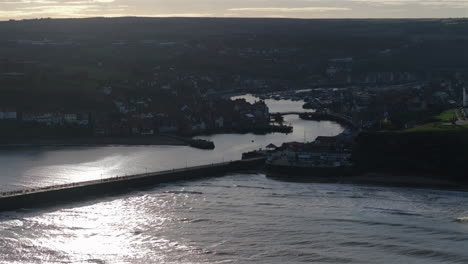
404 213
269 205
462 219
183 192
97 261
280 195
199 220
441 256
252 187
392 211
355 196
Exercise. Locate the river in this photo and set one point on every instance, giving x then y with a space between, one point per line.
43 166
239 218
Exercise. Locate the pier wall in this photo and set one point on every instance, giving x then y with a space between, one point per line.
78 191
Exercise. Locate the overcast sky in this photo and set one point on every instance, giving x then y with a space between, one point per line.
19 9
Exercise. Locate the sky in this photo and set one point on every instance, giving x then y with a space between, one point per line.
23 9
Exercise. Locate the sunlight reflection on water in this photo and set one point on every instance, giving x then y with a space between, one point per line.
35 167
244 218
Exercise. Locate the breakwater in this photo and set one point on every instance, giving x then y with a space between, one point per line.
44 196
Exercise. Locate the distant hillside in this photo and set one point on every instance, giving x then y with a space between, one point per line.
137 27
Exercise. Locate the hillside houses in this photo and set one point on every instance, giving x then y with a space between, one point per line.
8 114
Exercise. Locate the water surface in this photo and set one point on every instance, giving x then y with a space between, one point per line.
244 218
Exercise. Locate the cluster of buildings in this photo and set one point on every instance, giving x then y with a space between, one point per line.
163 100
46 118
340 71
204 117
8 114
323 152
137 119
57 118
403 104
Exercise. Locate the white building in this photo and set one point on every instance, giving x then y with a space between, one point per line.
8 115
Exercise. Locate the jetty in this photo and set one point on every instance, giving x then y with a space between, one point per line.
44 196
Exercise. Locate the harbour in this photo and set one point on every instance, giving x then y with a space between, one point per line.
243 217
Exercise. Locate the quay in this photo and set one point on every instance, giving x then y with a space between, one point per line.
43 196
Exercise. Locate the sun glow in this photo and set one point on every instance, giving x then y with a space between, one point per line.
20 9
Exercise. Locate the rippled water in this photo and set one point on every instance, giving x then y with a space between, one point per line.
242 218
245 219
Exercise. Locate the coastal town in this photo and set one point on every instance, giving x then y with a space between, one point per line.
197 105
181 87
289 131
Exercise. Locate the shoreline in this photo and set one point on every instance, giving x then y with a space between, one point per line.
381 180
384 179
270 129
94 141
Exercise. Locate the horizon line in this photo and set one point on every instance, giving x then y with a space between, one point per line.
224 17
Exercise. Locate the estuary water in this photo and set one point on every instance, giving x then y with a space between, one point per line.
239 218
42 166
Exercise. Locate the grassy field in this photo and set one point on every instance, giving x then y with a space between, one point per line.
441 122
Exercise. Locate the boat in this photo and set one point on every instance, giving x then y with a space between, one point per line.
201 144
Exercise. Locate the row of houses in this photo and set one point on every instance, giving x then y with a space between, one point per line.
211 115
8 115
125 121
47 118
